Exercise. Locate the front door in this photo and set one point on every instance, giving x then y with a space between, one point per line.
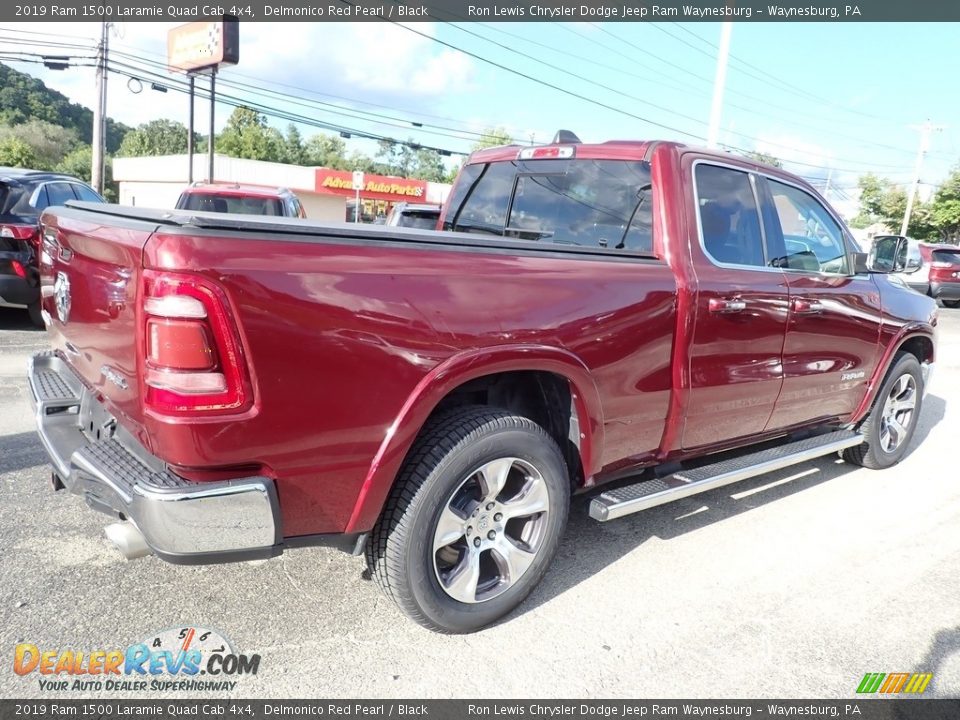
833 331
741 311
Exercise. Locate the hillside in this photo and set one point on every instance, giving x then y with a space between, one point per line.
24 98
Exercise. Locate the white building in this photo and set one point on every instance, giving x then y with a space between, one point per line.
157 182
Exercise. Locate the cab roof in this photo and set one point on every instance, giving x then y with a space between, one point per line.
237 190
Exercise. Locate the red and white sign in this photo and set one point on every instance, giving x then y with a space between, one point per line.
375 187
201 45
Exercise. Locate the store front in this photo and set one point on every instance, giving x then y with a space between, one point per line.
379 192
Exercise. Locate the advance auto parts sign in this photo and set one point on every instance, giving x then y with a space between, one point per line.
201 45
376 187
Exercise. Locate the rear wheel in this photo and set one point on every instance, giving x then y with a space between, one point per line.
36 316
892 421
951 303
474 520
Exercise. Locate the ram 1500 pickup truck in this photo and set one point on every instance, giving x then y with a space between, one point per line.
641 321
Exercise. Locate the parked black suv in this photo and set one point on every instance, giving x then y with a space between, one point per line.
24 194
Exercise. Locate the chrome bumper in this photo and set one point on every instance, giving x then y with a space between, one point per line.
182 521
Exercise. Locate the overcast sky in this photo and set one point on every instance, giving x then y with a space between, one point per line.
829 99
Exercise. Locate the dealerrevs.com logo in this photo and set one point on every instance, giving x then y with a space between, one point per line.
186 658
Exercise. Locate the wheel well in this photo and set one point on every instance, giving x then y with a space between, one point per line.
920 347
545 398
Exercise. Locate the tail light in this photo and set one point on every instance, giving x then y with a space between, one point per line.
20 232
194 362
18 268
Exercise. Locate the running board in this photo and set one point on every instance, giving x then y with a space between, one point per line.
615 503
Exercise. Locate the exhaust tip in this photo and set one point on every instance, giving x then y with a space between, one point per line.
126 538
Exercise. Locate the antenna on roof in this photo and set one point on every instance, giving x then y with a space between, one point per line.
565 136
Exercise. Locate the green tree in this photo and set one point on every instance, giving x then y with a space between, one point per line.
24 98
78 163
48 142
326 151
766 158
14 152
492 137
157 137
247 135
293 150
945 208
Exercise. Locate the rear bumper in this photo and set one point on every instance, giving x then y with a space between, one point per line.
182 521
945 290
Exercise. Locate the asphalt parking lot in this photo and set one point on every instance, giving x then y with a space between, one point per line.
794 584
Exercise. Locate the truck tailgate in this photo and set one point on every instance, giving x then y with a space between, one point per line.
90 271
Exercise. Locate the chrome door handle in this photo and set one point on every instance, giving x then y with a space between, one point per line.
722 305
806 307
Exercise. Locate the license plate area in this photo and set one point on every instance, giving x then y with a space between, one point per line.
95 422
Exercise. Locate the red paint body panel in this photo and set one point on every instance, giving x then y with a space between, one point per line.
353 336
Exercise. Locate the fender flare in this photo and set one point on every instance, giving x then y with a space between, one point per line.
906 333
454 372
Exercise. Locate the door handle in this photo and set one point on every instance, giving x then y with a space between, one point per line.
723 305
807 307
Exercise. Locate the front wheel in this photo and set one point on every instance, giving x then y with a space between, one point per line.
951 303
892 421
474 520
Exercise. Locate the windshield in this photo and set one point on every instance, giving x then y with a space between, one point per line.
237 204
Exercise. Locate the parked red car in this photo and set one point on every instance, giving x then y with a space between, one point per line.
932 269
241 199
432 399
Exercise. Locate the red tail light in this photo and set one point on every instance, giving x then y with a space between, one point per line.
193 356
19 232
18 268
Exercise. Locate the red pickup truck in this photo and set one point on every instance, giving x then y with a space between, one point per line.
641 321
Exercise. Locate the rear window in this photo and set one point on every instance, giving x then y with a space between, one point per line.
235 204
587 203
15 200
946 256
422 220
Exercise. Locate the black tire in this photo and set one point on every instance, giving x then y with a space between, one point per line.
450 450
36 317
951 303
871 453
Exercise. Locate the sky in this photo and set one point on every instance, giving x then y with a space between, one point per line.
831 100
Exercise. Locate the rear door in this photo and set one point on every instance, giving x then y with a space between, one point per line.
833 332
741 311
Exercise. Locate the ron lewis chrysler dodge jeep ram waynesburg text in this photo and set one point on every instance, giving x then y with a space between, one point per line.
592 318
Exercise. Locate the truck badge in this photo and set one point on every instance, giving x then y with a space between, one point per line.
61 293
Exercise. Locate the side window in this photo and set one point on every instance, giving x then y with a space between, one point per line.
40 202
483 194
86 194
813 240
729 221
58 193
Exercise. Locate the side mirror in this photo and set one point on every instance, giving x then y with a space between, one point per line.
888 254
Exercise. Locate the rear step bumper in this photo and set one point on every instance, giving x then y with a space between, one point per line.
615 503
182 521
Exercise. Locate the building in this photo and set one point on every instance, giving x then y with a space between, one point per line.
324 193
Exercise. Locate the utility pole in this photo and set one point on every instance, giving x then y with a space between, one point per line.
720 79
826 189
925 130
100 112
